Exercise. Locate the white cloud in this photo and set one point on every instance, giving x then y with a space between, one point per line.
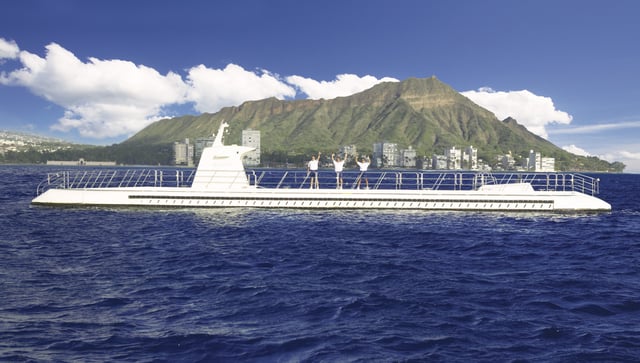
212 89
112 98
630 158
8 49
102 98
576 150
630 155
343 85
626 153
533 111
597 128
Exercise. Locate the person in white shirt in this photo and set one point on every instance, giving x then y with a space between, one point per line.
364 165
312 171
338 165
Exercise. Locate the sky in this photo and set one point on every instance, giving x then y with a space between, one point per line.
99 71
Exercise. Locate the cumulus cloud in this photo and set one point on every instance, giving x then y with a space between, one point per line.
8 49
533 111
630 155
112 98
212 89
630 158
576 150
343 85
102 98
612 153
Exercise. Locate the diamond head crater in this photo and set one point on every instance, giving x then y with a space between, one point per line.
422 113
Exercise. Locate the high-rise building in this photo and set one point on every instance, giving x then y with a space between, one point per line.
534 161
386 154
438 162
470 158
454 157
183 153
408 157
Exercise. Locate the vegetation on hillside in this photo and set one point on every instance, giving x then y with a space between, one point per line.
425 114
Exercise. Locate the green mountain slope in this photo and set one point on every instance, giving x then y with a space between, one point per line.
424 113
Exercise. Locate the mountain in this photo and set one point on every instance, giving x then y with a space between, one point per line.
423 113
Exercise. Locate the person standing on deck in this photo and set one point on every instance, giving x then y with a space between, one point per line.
338 165
312 171
364 165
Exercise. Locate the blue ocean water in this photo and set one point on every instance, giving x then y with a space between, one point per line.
100 284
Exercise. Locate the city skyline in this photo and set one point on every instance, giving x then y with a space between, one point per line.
99 72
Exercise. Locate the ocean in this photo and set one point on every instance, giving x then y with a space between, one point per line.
252 285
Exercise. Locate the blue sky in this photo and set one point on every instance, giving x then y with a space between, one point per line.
99 71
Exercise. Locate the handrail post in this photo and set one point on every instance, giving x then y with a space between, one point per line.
547 177
282 179
573 186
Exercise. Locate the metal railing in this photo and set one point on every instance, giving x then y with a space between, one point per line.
292 178
426 180
116 178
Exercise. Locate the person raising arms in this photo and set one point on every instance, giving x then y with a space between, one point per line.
338 165
364 165
312 171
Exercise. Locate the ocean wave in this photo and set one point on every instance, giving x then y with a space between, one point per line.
109 284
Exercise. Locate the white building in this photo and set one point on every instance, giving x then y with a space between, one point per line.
438 162
548 164
454 158
386 154
183 153
408 157
536 162
251 138
470 158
